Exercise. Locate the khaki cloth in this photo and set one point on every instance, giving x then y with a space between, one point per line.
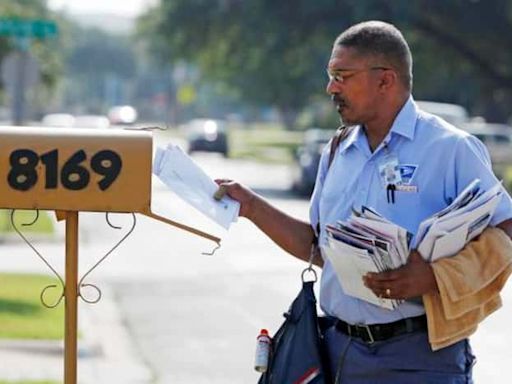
469 287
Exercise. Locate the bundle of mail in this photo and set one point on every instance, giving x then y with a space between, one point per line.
368 242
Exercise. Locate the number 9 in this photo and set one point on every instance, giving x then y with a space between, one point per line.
108 164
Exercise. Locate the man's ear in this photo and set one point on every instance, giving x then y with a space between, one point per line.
388 79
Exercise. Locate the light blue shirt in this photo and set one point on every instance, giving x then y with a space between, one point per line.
437 158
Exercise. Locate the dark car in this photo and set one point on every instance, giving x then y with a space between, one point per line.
207 135
307 159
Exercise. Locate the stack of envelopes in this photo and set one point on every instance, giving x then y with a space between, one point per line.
368 242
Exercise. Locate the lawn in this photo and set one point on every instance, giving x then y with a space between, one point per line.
264 142
22 315
43 225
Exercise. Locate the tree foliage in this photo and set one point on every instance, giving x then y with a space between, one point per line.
467 44
50 60
274 52
98 64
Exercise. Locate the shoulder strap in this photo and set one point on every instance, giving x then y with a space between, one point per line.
340 135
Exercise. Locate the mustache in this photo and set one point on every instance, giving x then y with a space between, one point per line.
338 100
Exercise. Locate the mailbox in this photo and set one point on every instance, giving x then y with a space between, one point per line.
75 169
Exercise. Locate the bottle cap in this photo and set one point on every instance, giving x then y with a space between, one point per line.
264 332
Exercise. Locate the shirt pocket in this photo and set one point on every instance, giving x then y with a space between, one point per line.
404 210
407 199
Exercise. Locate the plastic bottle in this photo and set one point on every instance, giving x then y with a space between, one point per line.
262 351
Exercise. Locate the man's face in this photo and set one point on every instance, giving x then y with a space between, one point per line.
353 85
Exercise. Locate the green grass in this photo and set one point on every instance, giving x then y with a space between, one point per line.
22 315
268 143
43 225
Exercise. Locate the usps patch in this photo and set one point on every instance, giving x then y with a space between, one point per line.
407 172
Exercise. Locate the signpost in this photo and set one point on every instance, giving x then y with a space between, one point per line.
19 69
72 170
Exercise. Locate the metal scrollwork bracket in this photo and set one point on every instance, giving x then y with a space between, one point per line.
51 286
81 284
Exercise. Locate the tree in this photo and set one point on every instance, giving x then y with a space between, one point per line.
100 65
273 52
248 45
470 42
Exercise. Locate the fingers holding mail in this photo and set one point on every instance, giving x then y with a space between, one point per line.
245 196
412 280
383 287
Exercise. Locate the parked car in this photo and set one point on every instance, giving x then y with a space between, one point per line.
207 135
498 140
307 159
91 121
452 113
58 120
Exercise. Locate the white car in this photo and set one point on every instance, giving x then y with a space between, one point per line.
498 140
91 121
58 120
453 113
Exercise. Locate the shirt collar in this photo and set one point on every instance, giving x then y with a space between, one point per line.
352 138
404 125
405 121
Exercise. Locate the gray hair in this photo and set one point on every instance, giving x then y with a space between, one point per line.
383 41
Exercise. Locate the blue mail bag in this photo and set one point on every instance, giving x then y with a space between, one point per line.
297 355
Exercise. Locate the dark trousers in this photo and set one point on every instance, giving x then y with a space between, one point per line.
405 359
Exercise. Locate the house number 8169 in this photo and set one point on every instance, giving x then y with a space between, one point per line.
73 175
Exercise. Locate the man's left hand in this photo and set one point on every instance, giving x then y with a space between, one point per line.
411 280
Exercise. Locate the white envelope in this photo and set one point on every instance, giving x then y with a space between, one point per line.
187 180
350 265
445 226
450 243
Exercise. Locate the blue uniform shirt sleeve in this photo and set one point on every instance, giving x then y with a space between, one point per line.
471 160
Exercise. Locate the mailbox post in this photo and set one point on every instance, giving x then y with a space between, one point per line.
72 170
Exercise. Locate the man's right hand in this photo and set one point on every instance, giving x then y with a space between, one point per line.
245 196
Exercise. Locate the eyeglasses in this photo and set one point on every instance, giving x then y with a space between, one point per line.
341 75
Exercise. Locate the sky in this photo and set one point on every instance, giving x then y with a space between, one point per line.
130 8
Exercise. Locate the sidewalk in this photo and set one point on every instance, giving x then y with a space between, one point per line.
106 351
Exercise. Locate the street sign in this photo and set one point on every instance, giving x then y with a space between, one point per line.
75 169
37 28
